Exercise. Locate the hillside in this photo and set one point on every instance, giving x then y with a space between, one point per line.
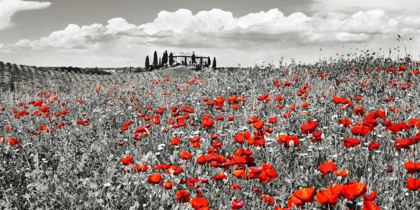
13 76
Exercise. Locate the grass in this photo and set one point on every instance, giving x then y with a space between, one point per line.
78 165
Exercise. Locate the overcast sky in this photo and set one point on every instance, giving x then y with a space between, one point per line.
104 33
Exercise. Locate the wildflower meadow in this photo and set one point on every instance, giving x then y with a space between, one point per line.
339 134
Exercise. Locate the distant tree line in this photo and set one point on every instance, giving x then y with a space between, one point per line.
78 70
168 60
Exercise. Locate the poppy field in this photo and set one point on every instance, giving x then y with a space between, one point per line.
338 135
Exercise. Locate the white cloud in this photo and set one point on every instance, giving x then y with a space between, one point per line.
9 7
401 6
72 37
216 30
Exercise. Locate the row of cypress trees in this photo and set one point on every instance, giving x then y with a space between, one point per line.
165 59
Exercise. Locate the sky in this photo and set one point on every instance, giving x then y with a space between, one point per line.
110 33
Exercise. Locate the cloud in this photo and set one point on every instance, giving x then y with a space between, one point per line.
72 37
10 7
400 6
220 29
264 33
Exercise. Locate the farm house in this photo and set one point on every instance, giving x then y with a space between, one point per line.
185 58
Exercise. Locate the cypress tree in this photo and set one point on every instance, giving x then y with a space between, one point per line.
160 62
214 63
209 61
193 58
171 59
147 64
165 58
155 60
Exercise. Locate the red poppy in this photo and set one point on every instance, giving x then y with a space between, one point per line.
316 136
370 197
404 143
258 125
155 179
217 145
310 127
182 196
289 141
267 199
197 203
327 197
272 120
220 176
360 129
413 184
404 87
369 205
412 167
240 138
373 145
359 111
185 155
237 204
345 122
351 142
127 160
240 174
301 196
354 190
143 167
168 185
342 173
220 118
207 124
278 98
236 187
219 101
201 160
12 141
381 114
327 167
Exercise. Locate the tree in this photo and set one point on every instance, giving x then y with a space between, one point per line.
147 64
214 63
155 60
165 58
209 61
160 62
1 65
171 59
193 58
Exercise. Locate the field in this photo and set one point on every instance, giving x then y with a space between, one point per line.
338 135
